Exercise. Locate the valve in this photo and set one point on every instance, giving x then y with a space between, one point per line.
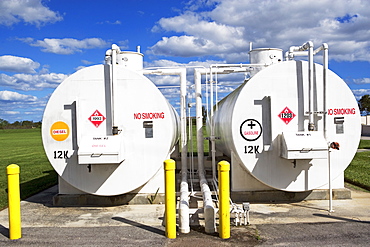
334 145
241 214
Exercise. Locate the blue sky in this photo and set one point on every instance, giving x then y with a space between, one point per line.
42 42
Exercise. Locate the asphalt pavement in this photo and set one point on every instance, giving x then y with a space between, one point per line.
306 223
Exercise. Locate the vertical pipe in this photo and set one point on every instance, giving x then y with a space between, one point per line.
211 93
330 188
212 137
311 124
170 198
14 207
199 116
209 211
184 224
115 51
326 66
224 195
113 78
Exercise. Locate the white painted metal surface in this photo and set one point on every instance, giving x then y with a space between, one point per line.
81 115
279 100
264 56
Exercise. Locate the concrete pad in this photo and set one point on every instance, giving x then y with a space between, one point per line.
313 211
38 211
141 225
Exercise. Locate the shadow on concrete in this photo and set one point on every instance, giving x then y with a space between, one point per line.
4 231
341 218
139 225
310 207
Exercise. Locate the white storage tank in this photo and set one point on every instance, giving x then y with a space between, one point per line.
107 128
264 56
264 127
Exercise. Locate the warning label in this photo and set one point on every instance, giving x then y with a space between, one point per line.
59 131
286 115
149 115
251 130
342 111
97 118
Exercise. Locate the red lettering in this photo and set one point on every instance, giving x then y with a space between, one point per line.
342 111
149 115
59 132
137 115
247 133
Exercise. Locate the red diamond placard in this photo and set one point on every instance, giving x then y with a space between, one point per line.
96 118
286 115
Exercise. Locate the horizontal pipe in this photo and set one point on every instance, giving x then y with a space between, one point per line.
323 47
306 46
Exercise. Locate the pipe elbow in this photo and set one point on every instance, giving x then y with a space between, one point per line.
116 48
306 46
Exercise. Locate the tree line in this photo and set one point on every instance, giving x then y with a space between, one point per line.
364 104
4 124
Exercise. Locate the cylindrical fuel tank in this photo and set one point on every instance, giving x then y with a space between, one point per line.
108 132
263 126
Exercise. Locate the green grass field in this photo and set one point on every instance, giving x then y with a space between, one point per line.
364 144
358 172
24 148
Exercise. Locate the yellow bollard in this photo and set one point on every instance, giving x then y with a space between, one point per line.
170 198
224 195
14 203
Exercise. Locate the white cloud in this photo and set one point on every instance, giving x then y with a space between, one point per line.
166 80
27 82
67 45
358 93
117 22
14 106
123 44
171 92
362 81
11 112
162 63
86 62
29 11
172 64
18 64
80 67
206 38
226 29
14 96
